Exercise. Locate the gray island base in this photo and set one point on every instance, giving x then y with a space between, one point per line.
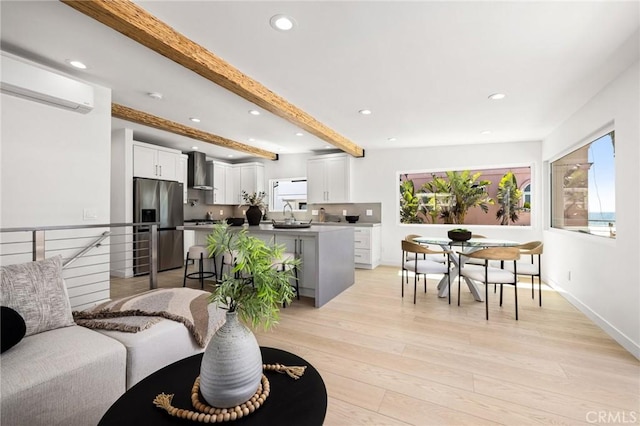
326 254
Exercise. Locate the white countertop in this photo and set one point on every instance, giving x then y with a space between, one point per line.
268 228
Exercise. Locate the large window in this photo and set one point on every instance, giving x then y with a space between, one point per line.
583 189
500 196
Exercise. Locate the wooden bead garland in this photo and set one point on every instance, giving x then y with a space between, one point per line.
207 414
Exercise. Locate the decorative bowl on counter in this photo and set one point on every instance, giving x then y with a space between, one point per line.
352 219
459 235
290 224
235 221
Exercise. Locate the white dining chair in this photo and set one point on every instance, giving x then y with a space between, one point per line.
420 266
492 275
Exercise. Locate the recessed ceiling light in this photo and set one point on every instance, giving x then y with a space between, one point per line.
282 22
365 112
194 119
299 134
194 148
76 64
391 139
328 147
252 140
485 132
497 96
230 155
254 112
155 95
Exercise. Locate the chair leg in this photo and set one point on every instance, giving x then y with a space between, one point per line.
186 265
486 299
295 273
402 279
425 282
449 286
515 290
415 286
500 294
532 288
540 290
458 291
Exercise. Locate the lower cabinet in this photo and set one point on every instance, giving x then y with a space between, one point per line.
305 249
366 247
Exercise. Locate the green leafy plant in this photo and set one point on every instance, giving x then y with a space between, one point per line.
509 199
253 288
464 190
409 203
254 199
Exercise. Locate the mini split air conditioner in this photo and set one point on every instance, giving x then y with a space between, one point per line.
40 85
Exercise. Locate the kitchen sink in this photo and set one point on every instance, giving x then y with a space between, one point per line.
290 225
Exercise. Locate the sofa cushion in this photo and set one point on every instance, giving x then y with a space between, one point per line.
37 291
12 328
67 376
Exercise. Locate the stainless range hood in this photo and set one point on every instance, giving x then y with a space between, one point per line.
197 176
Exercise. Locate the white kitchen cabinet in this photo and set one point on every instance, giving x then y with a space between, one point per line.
183 177
218 176
248 177
366 243
329 179
150 161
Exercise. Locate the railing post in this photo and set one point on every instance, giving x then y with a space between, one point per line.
38 245
153 257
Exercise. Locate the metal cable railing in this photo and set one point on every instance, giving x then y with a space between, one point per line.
92 255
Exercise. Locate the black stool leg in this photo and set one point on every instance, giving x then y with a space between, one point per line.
186 265
295 272
201 270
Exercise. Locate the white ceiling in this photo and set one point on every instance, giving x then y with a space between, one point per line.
424 68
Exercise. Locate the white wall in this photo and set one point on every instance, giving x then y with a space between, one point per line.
605 274
55 163
375 179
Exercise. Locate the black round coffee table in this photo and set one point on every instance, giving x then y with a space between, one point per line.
291 402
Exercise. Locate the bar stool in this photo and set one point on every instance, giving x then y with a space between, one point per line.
200 253
280 265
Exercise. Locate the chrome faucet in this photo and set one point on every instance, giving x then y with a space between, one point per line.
284 210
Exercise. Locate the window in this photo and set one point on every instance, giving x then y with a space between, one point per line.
583 189
475 197
287 190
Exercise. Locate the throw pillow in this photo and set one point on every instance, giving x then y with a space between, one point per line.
12 328
37 291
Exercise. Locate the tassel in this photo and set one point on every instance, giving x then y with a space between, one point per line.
163 401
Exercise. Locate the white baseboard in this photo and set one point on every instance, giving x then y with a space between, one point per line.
617 335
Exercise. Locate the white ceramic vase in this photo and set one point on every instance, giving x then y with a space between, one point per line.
231 367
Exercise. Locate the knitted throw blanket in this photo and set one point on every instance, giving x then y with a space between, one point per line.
136 313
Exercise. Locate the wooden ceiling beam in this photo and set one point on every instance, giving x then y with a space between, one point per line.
140 117
139 25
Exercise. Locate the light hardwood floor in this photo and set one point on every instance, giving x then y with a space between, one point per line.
386 361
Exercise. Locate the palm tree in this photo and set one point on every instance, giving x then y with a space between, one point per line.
467 192
409 203
509 199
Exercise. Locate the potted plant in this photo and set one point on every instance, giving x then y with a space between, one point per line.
255 201
252 292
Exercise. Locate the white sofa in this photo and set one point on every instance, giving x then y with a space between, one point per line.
70 375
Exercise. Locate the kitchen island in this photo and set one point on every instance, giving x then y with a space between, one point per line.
326 254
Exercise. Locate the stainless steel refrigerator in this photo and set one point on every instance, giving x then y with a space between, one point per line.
158 201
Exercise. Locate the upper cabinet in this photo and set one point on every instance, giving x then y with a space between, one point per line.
183 175
229 180
329 179
153 162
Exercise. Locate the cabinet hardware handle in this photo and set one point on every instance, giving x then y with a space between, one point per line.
301 251
160 170
295 249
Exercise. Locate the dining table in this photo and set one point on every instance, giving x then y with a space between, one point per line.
454 248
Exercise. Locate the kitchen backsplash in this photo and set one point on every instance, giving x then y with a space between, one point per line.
200 210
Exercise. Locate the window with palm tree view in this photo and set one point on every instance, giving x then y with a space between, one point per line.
500 196
583 189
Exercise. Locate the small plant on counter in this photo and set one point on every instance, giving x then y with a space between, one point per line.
254 199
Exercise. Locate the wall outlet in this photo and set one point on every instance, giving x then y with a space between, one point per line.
344 212
314 212
369 212
89 214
